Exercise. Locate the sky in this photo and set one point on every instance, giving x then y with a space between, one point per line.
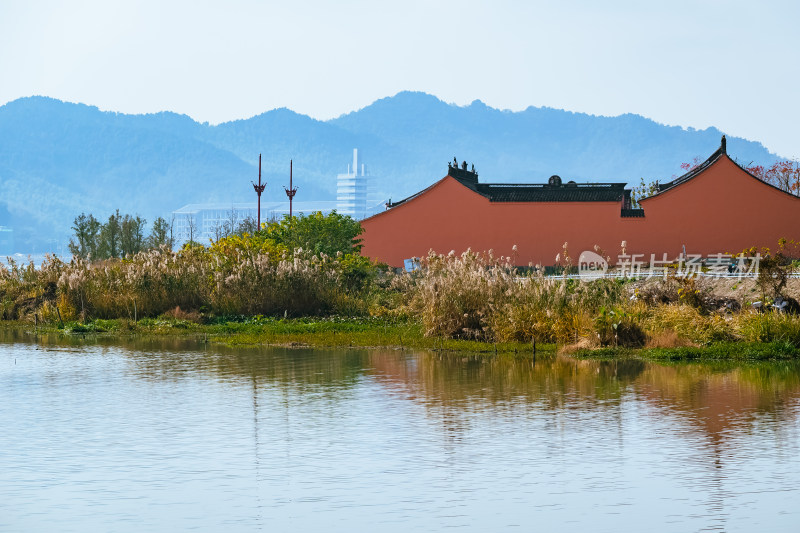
730 64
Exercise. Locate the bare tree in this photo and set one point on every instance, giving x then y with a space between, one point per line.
232 222
192 227
247 225
219 230
227 226
171 241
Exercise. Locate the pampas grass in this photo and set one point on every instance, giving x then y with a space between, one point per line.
457 296
194 279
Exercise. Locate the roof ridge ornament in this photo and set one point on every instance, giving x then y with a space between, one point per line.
462 172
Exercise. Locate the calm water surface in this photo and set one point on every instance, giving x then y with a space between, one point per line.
175 436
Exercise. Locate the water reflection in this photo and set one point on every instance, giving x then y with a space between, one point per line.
717 399
407 440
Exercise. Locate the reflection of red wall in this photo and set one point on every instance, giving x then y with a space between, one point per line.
721 210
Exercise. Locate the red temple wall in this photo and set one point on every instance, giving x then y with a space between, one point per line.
721 210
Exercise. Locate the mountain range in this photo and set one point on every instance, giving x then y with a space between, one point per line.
60 159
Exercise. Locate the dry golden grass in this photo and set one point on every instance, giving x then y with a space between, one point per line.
179 314
466 296
668 339
483 297
158 281
584 343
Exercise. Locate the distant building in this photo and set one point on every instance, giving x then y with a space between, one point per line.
205 222
352 190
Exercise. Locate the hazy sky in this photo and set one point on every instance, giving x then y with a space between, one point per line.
730 64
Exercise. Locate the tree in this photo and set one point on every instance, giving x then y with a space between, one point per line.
86 229
248 226
171 241
784 175
219 231
643 190
160 234
191 225
122 235
131 235
231 223
109 245
688 167
317 233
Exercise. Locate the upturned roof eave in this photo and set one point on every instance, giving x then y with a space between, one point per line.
393 205
699 169
705 165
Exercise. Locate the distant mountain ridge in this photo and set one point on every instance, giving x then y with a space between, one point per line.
59 159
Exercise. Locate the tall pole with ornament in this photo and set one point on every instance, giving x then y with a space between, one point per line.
291 191
259 189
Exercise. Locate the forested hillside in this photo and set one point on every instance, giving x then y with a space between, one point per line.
59 159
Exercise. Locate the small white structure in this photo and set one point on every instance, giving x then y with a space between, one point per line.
352 189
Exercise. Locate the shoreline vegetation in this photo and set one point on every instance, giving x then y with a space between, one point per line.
326 332
352 333
302 282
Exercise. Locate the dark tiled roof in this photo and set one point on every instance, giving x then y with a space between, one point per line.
632 213
390 204
554 191
571 192
721 151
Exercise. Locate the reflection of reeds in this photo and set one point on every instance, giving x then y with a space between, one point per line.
711 396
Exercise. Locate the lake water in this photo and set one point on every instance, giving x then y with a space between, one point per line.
173 435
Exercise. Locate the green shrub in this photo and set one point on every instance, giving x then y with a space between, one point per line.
617 327
687 322
768 327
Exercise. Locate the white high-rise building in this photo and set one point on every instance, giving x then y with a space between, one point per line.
352 190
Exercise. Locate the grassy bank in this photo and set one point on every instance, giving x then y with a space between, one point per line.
330 332
336 332
253 290
723 351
